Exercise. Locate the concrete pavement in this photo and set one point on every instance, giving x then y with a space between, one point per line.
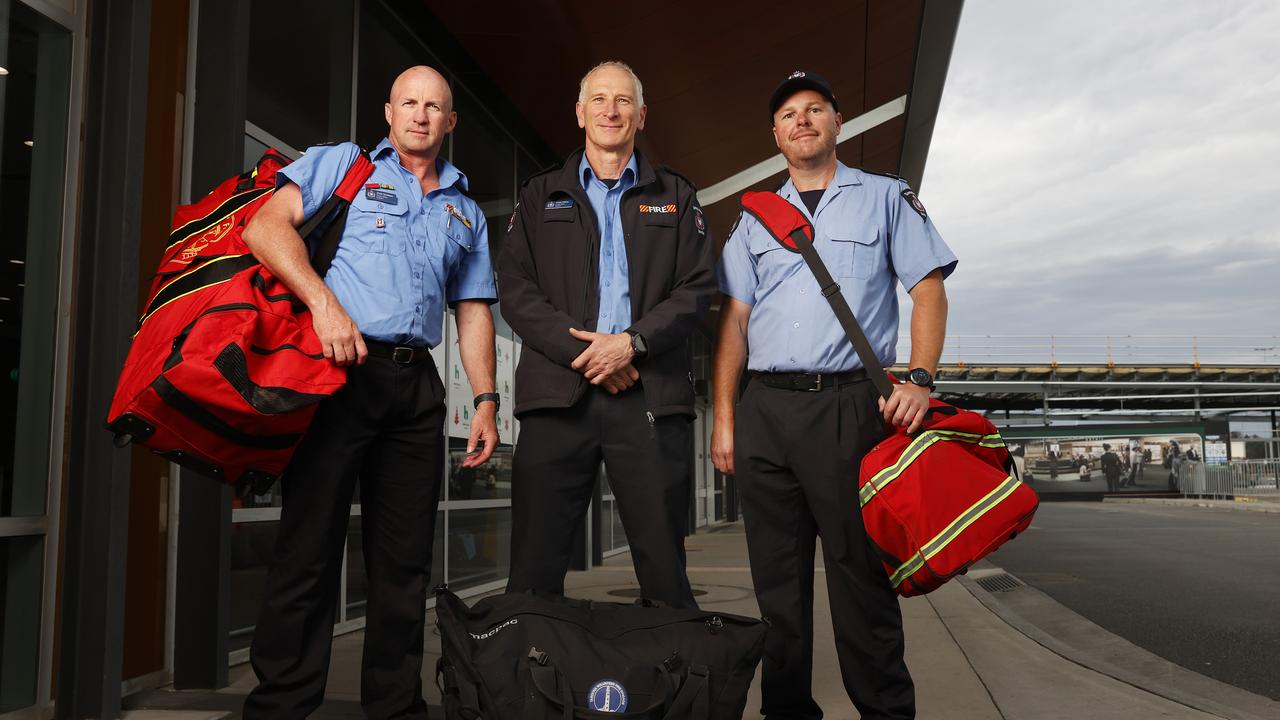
971 658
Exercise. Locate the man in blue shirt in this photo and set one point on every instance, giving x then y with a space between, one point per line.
808 414
413 242
604 274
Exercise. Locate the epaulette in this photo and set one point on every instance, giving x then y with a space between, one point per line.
884 174
682 176
540 173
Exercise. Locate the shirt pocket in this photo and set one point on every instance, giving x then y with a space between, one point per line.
458 239
858 255
378 227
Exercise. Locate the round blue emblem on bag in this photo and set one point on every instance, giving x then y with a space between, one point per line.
607 696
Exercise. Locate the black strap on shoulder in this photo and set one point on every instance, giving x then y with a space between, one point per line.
326 247
831 291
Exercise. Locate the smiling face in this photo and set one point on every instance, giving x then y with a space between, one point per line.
420 112
610 110
805 128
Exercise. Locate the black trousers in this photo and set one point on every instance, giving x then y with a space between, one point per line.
385 426
796 457
555 468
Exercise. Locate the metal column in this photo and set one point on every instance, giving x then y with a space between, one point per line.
97 499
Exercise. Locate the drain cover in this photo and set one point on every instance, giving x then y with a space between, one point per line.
635 592
1004 582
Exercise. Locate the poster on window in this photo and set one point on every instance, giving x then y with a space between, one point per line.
1102 462
506 368
458 421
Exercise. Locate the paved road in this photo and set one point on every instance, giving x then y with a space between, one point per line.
1197 586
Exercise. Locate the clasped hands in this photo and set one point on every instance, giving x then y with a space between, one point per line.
607 360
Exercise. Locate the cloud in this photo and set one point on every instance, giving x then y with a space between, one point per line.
1111 168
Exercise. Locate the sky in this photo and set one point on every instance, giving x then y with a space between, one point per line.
1110 168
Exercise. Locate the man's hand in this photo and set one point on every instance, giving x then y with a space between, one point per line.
907 404
484 435
619 381
338 333
722 444
607 355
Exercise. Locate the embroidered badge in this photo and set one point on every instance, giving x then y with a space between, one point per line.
662 209
561 204
910 196
382 195
458 214
796 74
607 696
699 221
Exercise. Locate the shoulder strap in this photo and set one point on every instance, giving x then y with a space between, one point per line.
336 207
792 230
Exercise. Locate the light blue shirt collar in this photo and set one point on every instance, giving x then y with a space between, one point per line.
449 174
626 180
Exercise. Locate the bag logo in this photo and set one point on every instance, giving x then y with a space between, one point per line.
513 621
210 237
662 209
607 696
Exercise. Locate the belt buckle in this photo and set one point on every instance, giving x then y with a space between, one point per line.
817 385
402 355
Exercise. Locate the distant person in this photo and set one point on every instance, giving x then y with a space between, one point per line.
1111 468
1135 465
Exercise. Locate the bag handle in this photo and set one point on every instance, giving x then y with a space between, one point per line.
792 230
692 700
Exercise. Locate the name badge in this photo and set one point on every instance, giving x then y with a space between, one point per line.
383 196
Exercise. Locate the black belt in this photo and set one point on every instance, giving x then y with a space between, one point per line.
401 354
811 382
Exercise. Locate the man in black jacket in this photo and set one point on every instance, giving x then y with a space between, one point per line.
606 270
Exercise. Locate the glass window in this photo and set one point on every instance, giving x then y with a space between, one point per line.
300 70
385 52
487 155
479 546
251 545
35 54
21 574
490 481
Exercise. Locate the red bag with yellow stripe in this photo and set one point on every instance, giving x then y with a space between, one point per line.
935 501
225 370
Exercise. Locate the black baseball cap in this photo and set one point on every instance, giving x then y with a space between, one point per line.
797 81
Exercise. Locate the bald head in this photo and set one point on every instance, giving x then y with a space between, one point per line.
420 112
421 76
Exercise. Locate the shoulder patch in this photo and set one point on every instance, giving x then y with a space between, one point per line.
914 201
512 222
699 220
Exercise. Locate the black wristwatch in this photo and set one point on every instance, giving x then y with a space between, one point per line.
921 377
638 345
484 397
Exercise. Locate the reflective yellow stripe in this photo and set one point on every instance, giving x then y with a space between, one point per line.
913 451
949 533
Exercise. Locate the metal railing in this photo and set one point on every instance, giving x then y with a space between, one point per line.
1240 479
1111 350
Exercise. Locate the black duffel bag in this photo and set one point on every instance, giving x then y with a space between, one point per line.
540 657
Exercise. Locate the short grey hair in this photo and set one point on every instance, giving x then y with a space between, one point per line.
616 64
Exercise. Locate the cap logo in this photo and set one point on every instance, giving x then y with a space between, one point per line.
796 74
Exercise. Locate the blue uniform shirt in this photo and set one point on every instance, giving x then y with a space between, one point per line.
403 254
615 283
871 231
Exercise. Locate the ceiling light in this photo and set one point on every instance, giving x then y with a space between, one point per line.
4 298
18 262
4 71
29 143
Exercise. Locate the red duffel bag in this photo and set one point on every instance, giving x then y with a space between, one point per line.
933 502
225 369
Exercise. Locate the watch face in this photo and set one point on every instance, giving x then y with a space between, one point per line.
920 376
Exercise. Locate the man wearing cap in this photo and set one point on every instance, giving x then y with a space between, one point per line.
605 272
808 414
